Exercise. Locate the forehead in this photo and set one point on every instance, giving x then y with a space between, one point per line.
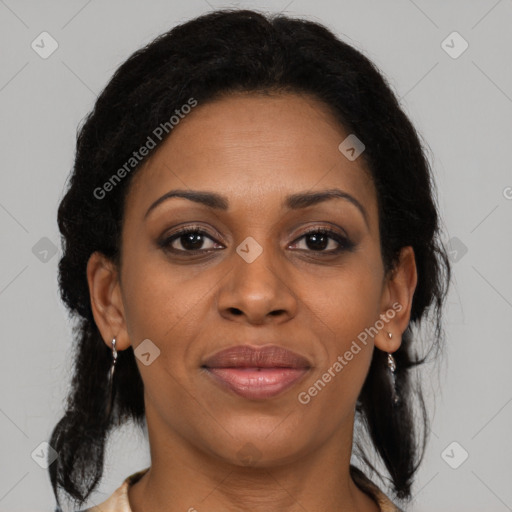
254 148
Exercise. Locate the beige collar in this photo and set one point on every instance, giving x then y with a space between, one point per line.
118 501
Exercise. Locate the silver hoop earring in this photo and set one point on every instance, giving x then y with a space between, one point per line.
392 368
111 380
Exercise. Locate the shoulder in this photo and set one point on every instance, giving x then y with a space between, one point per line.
118 500
367 486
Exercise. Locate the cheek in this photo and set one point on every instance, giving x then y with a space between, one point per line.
344 309
344 312
346 303
162 309
171 309
157 298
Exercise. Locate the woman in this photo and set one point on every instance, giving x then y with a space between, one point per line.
250 235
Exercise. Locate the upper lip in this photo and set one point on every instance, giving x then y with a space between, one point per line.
246 356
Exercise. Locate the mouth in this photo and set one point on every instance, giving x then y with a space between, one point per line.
256 373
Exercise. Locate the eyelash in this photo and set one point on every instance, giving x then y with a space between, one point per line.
344 243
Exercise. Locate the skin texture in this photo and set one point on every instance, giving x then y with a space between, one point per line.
254 149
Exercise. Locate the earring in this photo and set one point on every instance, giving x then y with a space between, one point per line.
111 379
392 368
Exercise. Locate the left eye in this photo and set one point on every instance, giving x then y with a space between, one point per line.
320 239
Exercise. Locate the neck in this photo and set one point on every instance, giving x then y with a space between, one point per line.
183 477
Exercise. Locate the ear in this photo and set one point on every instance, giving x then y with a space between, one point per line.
106 300
396 302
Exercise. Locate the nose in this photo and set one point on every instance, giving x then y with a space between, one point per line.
257 292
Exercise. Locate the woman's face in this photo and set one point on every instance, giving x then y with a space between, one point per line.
254 277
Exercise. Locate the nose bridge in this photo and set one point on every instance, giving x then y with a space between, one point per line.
256 286
255 265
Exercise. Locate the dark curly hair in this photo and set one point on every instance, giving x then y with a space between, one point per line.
216 54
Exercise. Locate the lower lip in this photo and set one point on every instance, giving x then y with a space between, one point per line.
256 383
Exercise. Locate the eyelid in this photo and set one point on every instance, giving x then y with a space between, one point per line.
186 227
327 227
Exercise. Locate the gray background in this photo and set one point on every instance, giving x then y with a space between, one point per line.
462 107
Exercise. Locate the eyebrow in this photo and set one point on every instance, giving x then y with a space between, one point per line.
293 202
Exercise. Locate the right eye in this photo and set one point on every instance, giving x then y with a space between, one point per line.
191 240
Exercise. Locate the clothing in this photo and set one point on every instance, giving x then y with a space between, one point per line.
118 501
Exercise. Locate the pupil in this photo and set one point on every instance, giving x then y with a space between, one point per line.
192 241
315 237
315 241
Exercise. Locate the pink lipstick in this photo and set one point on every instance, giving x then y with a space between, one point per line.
257 372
